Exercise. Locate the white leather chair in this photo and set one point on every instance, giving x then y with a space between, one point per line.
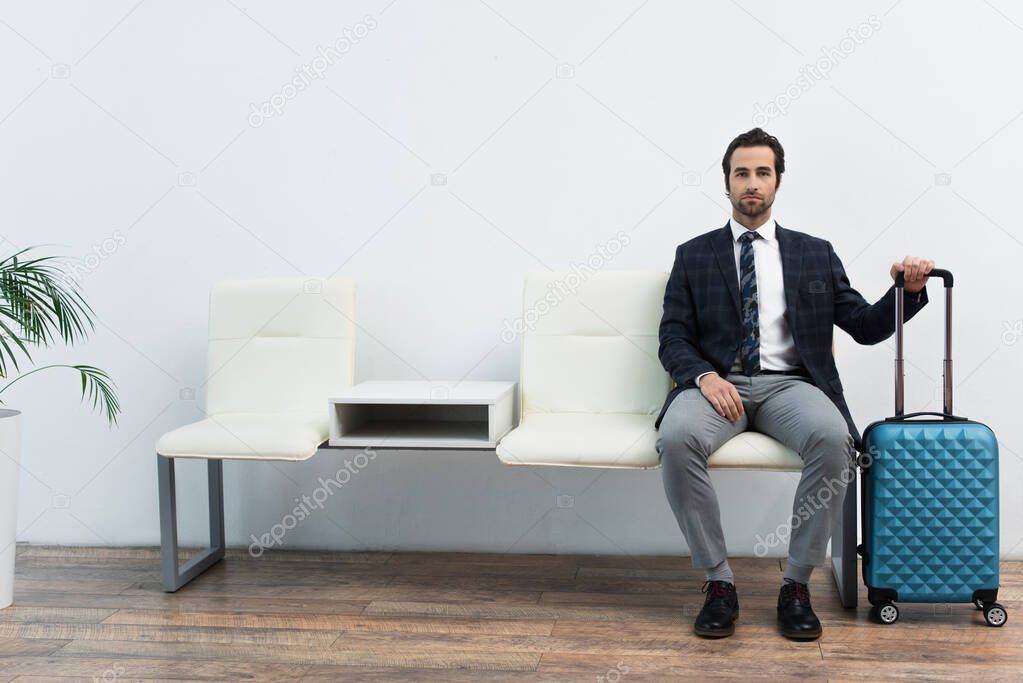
278 349
591 386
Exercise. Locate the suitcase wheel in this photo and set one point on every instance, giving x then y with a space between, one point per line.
995 614
979 604
885 613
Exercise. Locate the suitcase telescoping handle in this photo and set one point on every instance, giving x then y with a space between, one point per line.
946 374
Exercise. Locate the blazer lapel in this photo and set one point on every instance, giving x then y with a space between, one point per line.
725 252
791 266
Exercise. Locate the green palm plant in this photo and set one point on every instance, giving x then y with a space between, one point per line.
40 304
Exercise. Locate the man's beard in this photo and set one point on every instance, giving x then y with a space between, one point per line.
752 209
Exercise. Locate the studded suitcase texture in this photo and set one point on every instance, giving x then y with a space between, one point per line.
929 498
931 510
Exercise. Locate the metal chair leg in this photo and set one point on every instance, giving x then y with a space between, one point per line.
843 546
175 576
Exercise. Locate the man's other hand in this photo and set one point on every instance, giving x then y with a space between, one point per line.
915 269
723 395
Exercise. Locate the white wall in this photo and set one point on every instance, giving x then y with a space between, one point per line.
126 133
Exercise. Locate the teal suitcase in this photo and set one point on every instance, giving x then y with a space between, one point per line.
929 501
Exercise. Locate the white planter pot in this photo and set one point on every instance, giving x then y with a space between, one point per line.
10 428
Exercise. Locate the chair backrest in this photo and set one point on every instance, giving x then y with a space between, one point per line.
589 342
279 345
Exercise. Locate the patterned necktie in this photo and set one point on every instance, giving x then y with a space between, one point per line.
750 348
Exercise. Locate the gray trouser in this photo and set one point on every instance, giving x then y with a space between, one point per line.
792 410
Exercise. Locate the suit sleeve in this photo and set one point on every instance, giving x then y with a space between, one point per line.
868 323
678 349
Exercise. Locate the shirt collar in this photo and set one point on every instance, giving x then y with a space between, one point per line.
766 230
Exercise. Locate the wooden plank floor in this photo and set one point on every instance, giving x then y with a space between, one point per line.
99 614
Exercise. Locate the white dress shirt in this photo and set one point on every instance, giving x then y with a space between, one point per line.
777 348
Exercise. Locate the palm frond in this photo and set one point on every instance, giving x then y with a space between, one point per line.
100 389
39 304
96 386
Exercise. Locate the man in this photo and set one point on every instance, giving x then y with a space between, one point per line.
746 334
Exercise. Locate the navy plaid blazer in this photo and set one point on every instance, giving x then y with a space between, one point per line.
701 327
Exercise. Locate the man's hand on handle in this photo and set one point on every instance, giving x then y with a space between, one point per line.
723 395
915 269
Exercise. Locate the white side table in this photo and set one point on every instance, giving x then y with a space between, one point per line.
411 414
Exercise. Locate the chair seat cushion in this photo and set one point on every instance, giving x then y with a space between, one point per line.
247 436
582 440
626 440
751 450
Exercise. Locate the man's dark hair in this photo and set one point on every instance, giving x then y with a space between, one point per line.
755 138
